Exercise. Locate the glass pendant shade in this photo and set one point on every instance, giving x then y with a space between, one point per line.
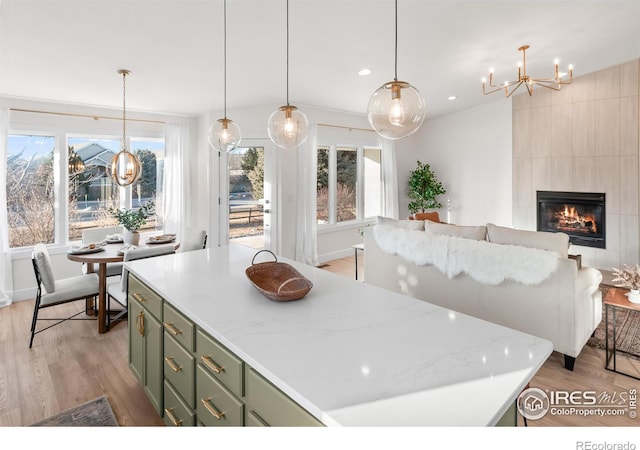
396 110
224 135
125 168
288 127
75 162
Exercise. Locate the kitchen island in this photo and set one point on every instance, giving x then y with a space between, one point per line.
349 353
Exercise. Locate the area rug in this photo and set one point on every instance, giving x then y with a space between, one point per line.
96 413
627 330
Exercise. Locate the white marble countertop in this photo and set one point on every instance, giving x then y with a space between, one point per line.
352 354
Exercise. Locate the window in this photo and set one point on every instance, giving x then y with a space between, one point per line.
30 189
349 186
34 190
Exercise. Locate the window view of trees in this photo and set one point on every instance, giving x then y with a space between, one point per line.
32 195
30 190
246 192
342 194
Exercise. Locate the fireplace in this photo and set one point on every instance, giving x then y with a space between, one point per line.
581 215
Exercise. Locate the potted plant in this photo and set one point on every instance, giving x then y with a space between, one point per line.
629 277
132 220
424 189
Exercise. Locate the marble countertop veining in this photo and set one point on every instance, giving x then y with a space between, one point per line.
350 353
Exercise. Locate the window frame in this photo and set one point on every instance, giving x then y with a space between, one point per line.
360 186
61 240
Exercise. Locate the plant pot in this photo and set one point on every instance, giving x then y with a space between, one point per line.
634 296
131 237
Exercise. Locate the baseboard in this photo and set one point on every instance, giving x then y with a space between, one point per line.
335 255
25 294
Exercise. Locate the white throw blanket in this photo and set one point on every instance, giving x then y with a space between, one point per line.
485 262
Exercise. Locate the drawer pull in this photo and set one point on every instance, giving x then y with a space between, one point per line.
206 402
206 359
140 323
138 297
172 329
172 364
174 420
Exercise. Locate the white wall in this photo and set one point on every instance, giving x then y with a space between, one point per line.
470 153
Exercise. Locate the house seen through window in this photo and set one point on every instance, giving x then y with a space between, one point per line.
42 207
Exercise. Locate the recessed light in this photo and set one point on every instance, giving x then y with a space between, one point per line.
364 72
452 97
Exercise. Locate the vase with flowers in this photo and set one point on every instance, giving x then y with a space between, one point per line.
629 277
132 220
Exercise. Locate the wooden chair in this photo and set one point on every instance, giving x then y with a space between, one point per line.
52 292
117 289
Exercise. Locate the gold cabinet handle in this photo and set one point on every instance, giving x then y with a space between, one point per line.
174 420
138 297
171 328
206 402
172 364
207 361
140 323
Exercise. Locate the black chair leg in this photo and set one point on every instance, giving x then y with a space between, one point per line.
34 320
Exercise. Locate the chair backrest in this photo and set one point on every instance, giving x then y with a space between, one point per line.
100 234
193 239
42 267
141 253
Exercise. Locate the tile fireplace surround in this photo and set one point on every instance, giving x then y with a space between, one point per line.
583 138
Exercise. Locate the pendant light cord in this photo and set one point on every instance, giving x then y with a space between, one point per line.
225 59
287 52
124 110
396 46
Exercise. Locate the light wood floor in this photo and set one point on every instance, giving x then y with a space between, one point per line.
71 364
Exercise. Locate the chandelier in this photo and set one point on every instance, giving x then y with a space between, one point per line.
510 87
396 109
125 167
224 135
287 125
76 164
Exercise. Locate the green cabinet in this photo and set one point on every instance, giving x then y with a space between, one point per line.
191 378
145 343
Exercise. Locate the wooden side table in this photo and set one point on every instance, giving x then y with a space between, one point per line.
615 299
357 247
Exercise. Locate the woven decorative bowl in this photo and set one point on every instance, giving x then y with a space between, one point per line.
277 281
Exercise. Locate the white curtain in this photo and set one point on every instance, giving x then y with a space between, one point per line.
179 153
389 180
306 239
6 282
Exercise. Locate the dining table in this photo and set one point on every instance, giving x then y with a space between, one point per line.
101 255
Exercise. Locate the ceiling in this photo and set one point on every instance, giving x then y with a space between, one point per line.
70 50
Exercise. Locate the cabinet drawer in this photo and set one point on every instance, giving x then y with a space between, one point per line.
251 420
271 405
215 405
176 412
179 369
178 326
151 301
220 362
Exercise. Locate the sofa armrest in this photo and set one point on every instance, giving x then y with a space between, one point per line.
588 280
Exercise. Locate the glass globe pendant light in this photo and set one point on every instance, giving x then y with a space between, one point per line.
125 167
397 109
224 135
287 126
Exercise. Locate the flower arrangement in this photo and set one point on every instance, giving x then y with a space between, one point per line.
133 220
629 277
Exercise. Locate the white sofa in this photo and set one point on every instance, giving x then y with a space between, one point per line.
473 270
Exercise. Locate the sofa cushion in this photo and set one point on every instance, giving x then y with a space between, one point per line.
479 233
557 242
408 224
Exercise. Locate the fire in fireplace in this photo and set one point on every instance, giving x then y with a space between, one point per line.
579 214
